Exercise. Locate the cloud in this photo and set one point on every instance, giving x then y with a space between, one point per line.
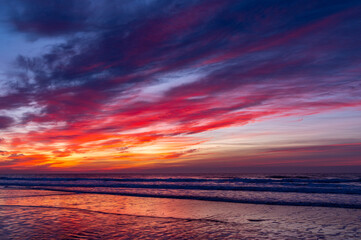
3 153
49 18
247 62
5 122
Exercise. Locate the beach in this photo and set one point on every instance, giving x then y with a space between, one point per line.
175 119
30 213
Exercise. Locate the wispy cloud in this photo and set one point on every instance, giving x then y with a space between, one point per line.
137 73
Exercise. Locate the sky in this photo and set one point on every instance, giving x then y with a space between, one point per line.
180 86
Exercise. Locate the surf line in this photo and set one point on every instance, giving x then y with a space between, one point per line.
118 214
215 199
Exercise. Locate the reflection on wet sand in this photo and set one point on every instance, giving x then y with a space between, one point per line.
37 214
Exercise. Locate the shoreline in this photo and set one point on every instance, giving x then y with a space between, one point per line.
239 220
199 198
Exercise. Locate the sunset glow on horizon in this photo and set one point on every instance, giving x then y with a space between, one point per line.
187 86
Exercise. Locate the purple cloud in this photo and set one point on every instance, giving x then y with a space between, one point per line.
5 122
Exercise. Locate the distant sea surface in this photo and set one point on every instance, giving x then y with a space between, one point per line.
332 190
180 206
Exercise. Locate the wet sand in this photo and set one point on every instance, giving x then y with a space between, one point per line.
40 214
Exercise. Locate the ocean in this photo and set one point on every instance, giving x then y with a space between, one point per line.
180 206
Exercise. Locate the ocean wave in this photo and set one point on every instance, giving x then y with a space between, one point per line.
219 198
270 179
355 190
